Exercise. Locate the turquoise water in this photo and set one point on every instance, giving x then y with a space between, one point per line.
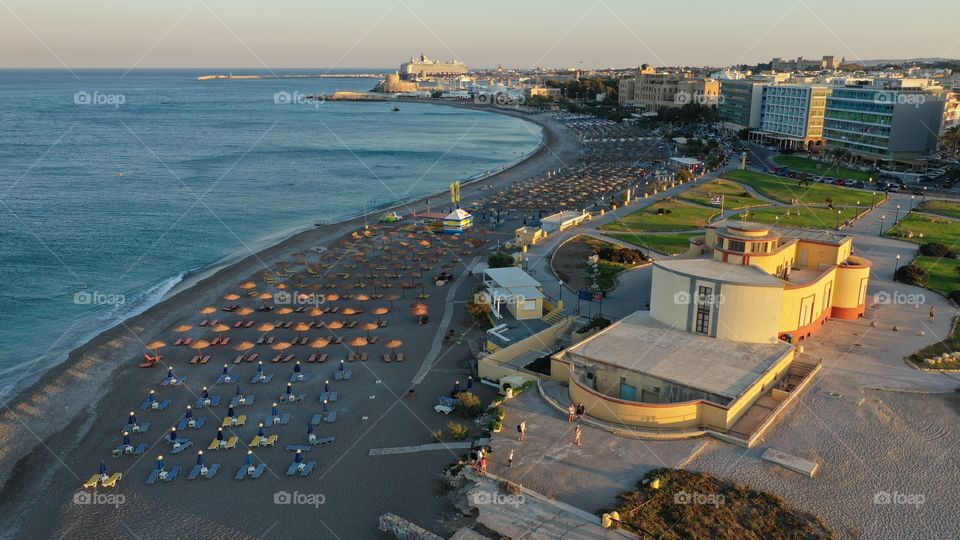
114 187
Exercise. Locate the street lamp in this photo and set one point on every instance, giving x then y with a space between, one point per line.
911 203
838 219
896 266
873 198
897 218
882 219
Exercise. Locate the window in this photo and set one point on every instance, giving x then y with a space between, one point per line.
736 245
704 303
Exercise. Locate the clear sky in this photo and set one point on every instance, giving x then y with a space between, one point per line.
485 33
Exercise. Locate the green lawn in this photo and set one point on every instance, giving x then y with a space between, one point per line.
668 244
949 345
944 208
735 197
944 278
934 229
802 164
786 190
808 217
676 216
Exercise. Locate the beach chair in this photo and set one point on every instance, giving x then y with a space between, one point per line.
292 398
312 358
195 360
270 340
263 441
316 419
178 342
226 378
322 441
156 405
181 445
187 341
238 324
253 357
352 324
198 472
299 377
288 358
448 401
228 444
224 342
302 447
173 382
166 476
112 481
247 400
130 450
322 358
198 423
92 482
399 357
363 357
303 468
215 341
262 340
384 323
229 421
374 340
444 409
204 322
251 471
213 402
352 357
330 417
205 359
142 427
283 420
277 358
248 324
239 358
386 358
257 379
328 396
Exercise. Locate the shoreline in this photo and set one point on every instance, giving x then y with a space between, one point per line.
42 417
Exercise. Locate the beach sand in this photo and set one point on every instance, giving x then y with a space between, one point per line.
62 423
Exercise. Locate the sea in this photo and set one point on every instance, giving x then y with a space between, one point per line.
116 186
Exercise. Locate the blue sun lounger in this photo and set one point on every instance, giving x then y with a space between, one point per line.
131 451
171 475
283 420
157 405
257 380
345 375
257 471
307 468
330 417
214 401
142 427
226 378
302 447
173 382
328 396
211 472
198 423
448 401
181 445
247 400
316 419
299 377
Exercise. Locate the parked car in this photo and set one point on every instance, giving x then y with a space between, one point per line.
860 184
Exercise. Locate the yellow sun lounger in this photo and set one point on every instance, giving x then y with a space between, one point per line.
228 421
112 481
263 441
92 482
231 443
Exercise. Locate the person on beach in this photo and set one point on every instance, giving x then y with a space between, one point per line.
510 459
522 429
483 466
933 313
571 411
576 435
580 410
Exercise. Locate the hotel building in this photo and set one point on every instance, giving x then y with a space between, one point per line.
740 103
792 115
653 91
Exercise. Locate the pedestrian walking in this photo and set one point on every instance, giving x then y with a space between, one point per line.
580 410
522 429
576 435
510 459
483 466
933 313
571 411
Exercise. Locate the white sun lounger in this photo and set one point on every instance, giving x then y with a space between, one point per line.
211 472
302 447
198 423
320 441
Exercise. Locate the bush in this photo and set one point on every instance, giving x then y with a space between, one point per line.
500 259
458 431
955 296
936 249
469 404
912 274
620 255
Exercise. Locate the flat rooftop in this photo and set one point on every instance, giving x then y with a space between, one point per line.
714 270
640 343
787 233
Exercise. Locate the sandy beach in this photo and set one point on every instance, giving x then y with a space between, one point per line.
63 422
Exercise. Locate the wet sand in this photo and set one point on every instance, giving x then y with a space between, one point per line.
57 429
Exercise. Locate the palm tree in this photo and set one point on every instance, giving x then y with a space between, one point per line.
951 140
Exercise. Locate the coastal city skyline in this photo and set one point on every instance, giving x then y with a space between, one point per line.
601 34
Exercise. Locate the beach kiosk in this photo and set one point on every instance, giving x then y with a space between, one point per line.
457 221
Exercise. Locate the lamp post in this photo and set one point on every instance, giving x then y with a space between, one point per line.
897 218
896 266
838 219
873 198
911 203
882 219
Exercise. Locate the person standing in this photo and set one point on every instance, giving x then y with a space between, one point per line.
521 429
580 410
510 459
571 411
576 435
933 313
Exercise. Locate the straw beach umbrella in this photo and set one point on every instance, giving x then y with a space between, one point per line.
283 312
368 327
379 312
153 347
182 329
334 325
347 312
231 297
319 343
358 342
220 329
394 344
361 298
199 345
301 328
247 285
244 346
208 310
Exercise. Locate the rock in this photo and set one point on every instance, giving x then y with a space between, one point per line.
896 328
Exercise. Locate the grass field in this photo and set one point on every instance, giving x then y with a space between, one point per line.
802 164
943 208
934 229
944 278
786 190
681 217
667 244
949 345
735 197
809 217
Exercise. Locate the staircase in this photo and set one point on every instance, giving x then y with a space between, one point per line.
554 317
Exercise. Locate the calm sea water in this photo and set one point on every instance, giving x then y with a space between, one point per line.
114 187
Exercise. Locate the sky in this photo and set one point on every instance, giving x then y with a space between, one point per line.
518 34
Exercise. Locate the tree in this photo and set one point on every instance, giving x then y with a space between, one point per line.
951 140
500 259
912 274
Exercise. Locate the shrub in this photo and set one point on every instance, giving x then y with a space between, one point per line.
936 249
458 431
955 296
500 259
912 274
469 404
620 255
